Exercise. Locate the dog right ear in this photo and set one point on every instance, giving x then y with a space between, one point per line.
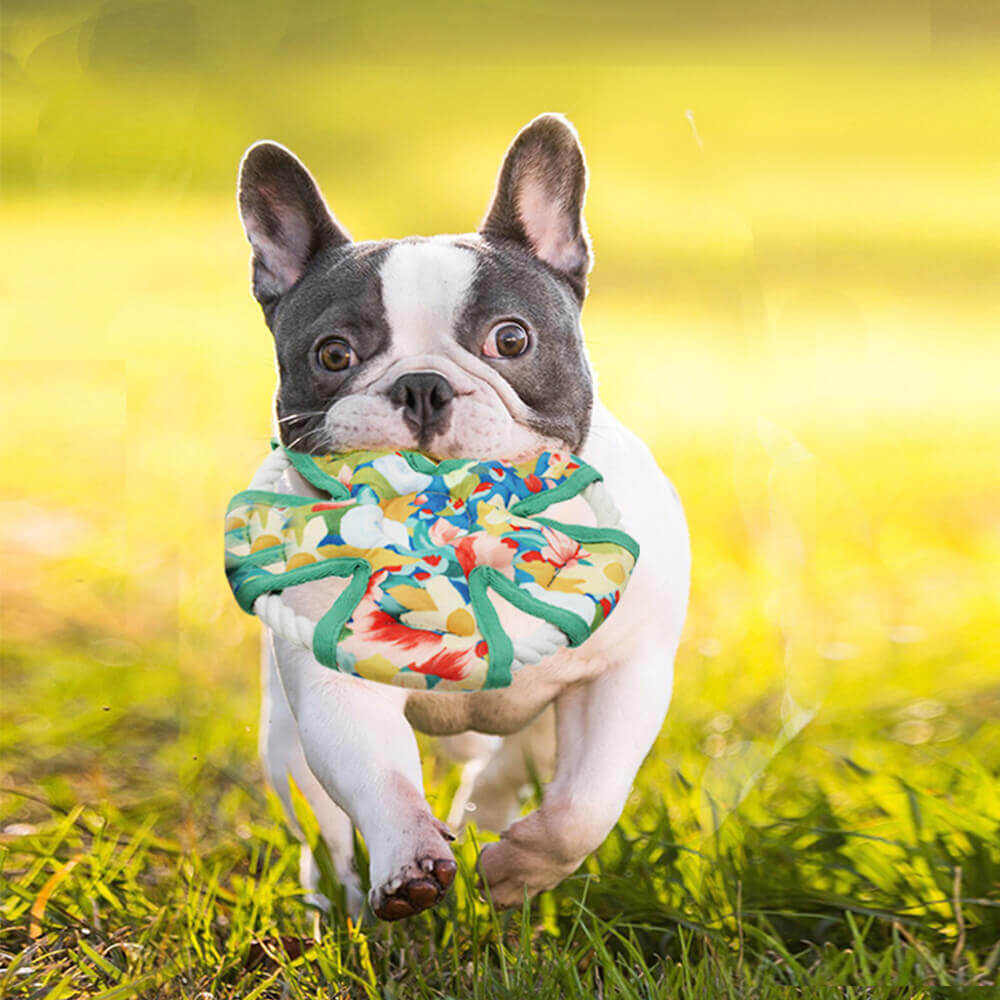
285 219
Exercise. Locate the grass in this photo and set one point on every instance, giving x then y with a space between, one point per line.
796 309
146 859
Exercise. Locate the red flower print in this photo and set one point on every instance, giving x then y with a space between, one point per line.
560 550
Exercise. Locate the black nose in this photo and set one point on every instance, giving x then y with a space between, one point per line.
426 400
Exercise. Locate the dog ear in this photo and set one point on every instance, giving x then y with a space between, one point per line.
539 198
285 219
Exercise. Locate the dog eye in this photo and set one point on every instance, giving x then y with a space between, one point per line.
506 340
335 355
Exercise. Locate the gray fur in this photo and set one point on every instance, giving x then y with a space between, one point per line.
340 293
285 219
553 377
546 151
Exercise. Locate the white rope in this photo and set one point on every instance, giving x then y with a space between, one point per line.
277 615
270 471
546 641
605 511
272 610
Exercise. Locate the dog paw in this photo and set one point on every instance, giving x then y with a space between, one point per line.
415 887
502 869
530 857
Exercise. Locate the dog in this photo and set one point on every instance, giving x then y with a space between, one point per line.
458 346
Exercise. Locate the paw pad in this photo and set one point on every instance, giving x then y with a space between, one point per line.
406 896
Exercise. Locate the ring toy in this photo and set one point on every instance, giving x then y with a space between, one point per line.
424 549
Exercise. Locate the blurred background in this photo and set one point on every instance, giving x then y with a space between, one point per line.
796 217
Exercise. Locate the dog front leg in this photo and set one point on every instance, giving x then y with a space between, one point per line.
604 729
284 760
362 750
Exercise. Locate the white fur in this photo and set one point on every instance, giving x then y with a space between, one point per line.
424 286
610 697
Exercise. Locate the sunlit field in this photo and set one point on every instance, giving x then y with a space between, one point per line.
795 302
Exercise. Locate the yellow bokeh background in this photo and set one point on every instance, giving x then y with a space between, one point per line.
795 302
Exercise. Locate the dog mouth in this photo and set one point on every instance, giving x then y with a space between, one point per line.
470 427
433 404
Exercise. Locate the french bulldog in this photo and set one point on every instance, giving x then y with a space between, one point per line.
459 346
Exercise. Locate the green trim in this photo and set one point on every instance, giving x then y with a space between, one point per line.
566 490
419 462
328 628
250 577
259 558
575 628
305 465
501 649
266 496
249 590
575 484
584 533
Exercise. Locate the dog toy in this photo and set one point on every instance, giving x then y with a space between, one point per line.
421 545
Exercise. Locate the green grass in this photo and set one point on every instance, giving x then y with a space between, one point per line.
857 855
796 308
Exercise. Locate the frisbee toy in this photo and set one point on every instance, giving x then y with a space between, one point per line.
424 550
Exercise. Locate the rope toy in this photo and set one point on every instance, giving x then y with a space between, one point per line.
421 545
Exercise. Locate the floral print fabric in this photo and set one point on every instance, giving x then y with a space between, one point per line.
423 544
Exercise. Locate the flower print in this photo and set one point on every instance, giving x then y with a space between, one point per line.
265 525
484 550
436 605
580 604
560 550
555 463
479 549
422 536
409 642
378 558
443 532
331 505
366 527
305 535
493 516
400 475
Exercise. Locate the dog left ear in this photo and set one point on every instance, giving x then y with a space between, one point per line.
285 219
539 198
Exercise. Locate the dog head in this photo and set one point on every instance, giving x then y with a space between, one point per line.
457 346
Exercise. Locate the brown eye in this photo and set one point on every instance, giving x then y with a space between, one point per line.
506 340
335 355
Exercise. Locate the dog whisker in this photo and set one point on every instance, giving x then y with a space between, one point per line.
305 435
301 437
299 416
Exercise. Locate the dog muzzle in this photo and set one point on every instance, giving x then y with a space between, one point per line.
421 548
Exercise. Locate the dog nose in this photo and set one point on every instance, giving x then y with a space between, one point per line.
425 398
